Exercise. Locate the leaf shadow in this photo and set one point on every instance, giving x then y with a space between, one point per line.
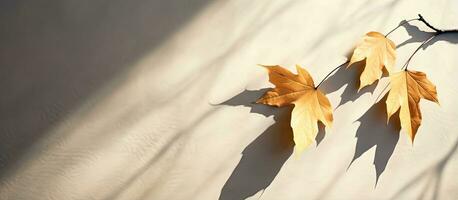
350 78
383 136
264 157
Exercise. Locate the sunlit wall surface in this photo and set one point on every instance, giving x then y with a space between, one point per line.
152 99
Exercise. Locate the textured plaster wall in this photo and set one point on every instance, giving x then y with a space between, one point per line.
149 99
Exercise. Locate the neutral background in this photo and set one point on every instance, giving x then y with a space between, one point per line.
149 99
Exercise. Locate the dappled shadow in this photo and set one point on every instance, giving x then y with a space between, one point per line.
433 174
350 78
347 24
263 158
373 133
56 55
182 135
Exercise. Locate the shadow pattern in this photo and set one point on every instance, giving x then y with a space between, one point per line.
417 36
433 174
56 55
373 133
263 158
349 77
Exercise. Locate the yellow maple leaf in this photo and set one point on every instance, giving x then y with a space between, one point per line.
407 88
379 53
310 104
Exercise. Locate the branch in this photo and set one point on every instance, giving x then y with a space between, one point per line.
420 18
437 32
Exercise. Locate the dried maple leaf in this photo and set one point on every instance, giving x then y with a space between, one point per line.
379 53
407 88
310 104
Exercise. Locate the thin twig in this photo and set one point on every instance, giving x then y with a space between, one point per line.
416 50
420 18
338 67
428 24
437 33
401 24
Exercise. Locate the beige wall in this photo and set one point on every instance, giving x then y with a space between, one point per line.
148 99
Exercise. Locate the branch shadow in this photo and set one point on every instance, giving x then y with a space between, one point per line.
417 36
433 182
384 136
263 158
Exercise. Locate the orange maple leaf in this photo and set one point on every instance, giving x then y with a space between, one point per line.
310 104
407 88
379 53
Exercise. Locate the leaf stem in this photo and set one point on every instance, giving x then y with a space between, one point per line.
401 24
416 50
329 74
420 18
346 62
437 33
